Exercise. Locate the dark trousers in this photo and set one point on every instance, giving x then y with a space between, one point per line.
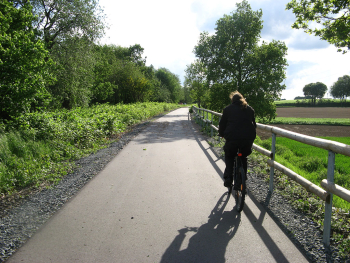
231 148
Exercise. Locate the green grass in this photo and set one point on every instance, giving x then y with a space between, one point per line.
39 148
311 162
310 121
285 102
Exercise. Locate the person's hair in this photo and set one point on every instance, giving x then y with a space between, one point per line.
237 98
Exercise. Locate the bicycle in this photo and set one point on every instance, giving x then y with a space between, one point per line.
239 186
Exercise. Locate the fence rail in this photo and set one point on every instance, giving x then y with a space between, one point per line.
328 185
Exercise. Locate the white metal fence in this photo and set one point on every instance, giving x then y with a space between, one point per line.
328 184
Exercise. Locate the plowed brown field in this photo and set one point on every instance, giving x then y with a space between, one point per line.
314 112
312 130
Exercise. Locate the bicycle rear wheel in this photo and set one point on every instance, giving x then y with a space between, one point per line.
240 190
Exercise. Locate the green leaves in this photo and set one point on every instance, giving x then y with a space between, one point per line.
341 88
196 81
233 60
39 147
58 20
332 15
24 63
315 90
170 83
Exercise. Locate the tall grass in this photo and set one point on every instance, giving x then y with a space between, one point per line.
311 162
38 148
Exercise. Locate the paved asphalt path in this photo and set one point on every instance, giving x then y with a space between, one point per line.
161 199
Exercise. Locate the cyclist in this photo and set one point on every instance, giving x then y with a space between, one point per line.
238 127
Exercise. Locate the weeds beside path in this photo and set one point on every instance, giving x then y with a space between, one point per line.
38 149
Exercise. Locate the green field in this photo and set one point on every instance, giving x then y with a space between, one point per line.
309 121
278 102
311 162
308 103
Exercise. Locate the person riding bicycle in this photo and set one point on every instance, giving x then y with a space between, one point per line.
238 127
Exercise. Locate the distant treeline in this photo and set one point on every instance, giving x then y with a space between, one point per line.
52 60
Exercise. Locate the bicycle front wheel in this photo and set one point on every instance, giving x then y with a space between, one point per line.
240 190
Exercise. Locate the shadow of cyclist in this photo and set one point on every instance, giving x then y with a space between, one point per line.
210 240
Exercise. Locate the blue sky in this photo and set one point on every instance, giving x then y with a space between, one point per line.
169 30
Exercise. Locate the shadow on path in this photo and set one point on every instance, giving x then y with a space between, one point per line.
199 138
210 240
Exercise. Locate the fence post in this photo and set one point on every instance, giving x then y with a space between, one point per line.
211 130
328 206
272 169
206 123
218 127
203 118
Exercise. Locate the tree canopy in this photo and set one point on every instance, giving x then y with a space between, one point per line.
170 82
196 81
49 59
333 15
341 88
315 90
24 62
58 20
234 60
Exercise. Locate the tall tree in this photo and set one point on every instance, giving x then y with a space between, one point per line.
187 95
196 81
24 62
171 82
121 76
74 64
235 61
341 88
155 94
333 15
69 29
60 19
315 90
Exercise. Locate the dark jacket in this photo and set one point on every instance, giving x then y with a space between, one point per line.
237 123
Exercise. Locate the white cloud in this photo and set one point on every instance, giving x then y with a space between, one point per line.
166 30
317 65
169 30
208 12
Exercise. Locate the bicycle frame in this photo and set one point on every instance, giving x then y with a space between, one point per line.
239 177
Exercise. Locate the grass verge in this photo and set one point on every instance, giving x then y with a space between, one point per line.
308 203
310 121
312 162
38 149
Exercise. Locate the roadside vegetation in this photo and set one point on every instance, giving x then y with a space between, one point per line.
38 149
306 202
312 162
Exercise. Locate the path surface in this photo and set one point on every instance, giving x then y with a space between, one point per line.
161 199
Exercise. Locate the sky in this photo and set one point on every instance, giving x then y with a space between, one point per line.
169 30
